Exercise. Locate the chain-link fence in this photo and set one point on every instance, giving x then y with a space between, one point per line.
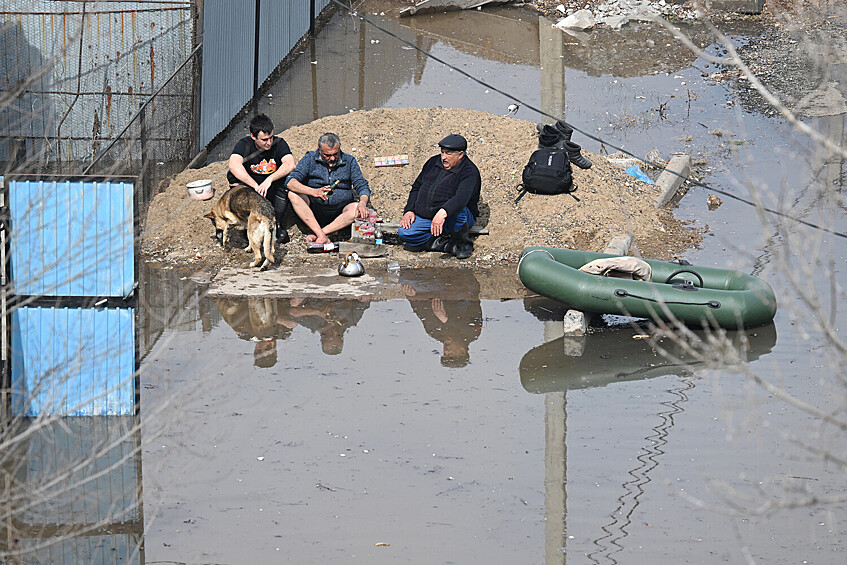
110 83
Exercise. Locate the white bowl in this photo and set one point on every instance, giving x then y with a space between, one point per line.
200 189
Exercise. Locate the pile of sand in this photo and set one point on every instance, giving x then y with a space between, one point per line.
611 202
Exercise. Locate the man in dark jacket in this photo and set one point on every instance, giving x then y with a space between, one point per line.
444 202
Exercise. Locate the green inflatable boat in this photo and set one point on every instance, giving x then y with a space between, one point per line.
693 295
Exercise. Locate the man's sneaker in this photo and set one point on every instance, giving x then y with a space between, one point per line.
282 236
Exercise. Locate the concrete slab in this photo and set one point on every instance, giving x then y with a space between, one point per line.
619 245
670 180
575 323
362 249
321 282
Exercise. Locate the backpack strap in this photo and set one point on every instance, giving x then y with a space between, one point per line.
523 191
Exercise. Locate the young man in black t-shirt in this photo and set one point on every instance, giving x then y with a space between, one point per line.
262 161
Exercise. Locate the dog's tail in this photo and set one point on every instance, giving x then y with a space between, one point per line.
268 245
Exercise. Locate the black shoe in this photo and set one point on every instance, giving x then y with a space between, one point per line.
415 248
439 244
282 236
549 136
576 157
462 249
565 130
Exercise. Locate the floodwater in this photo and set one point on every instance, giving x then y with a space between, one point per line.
460 426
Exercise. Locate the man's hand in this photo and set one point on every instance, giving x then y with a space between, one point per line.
321 193
407 220
437 225
362 209
264 187
438 310
408 289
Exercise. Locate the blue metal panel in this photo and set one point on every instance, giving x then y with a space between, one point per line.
73 361
72 238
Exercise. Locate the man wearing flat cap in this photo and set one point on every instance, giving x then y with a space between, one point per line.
444 202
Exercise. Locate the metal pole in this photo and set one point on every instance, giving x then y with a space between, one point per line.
5 320
256 49
145 159
146 102
198 84
311 18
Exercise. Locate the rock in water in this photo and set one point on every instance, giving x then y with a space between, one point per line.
581 19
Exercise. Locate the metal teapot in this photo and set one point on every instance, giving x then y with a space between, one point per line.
351 267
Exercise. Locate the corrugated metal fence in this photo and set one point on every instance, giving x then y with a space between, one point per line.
229 52
117 82
72 484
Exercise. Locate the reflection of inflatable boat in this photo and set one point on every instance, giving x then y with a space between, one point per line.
614 356
689 294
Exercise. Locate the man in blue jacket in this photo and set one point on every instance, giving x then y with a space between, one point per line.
327 189
444 202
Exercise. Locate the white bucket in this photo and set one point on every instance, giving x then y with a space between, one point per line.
200 189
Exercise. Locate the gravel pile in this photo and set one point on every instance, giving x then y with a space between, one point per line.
611 202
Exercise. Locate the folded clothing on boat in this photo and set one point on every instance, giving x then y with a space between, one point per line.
619 267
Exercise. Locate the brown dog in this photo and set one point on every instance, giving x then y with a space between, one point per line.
241 207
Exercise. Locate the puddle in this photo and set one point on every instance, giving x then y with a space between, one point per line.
449 421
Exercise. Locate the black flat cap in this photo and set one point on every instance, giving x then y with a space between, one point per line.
454 142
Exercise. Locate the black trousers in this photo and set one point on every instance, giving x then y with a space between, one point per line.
278 197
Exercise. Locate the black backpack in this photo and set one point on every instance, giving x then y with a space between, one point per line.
548 172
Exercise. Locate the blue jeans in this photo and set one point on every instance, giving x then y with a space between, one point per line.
418 233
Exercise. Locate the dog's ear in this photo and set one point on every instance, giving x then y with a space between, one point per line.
210 215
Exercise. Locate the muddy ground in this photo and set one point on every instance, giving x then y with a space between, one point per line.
611 202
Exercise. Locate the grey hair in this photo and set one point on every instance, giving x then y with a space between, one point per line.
328 139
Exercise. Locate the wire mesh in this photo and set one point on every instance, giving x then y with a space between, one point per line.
73 74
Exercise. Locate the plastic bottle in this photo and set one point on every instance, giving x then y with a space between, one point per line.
378 235
313 247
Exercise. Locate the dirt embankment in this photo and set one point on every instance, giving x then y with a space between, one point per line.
611 202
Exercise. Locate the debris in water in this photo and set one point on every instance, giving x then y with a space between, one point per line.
713 202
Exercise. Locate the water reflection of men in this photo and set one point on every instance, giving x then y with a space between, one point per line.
449 309
331 319
262 320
